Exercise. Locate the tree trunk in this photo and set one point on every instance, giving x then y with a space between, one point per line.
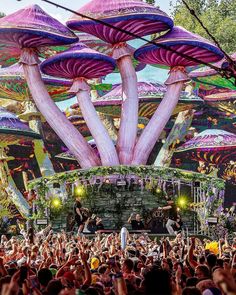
75 142
109 124
129 114
178 131
152 131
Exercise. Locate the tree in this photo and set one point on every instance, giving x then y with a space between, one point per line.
152 2
217 15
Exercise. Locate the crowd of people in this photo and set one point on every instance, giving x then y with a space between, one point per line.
51 263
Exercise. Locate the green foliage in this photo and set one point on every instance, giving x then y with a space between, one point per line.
42 185
152 2
218 16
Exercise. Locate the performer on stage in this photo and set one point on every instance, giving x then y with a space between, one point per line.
81 215
136 222
173 214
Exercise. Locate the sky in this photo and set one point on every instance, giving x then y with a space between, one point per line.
9 6
150 74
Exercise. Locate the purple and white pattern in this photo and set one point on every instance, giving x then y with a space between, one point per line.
134 16
182 41
79 61
32 27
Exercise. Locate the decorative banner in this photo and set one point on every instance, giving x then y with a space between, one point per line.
42 157
16 196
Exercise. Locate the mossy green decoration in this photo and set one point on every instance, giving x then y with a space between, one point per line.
41 184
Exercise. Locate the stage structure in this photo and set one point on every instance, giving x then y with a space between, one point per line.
206 194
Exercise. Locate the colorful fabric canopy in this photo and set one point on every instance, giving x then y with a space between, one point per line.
14 86
150 95
209 76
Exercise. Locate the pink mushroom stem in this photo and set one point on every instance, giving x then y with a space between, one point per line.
56 119
104 143
129 114
153 130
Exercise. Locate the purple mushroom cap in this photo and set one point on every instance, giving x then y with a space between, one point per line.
135 16
210 139
78 61
12 129
182 41
33 27
207 71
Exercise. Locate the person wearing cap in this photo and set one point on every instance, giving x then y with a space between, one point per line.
94 263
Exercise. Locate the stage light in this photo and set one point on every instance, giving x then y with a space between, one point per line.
79 191
182 202
56 203
158 190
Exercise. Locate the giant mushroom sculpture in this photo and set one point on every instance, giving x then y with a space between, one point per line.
182 41
30 29
80 63
136 17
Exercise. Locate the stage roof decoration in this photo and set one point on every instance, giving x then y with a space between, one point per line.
13 86
31 28
136 17
182 41
80 63
209 76
149 94
211 146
